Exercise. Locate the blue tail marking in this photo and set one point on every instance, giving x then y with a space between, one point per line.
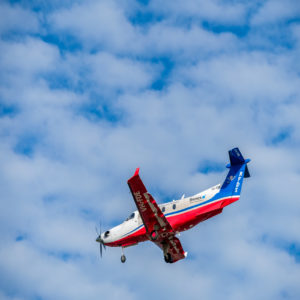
237 171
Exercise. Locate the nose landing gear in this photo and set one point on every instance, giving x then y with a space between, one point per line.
123 257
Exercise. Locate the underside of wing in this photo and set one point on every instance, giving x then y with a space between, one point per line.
154 220
157 226
172 249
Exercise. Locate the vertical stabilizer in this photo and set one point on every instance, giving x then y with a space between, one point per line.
237 171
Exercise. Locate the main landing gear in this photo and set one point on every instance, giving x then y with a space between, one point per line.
167 255
168 258
123 257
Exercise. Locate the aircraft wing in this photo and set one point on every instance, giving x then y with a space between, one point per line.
152 216
157 226
172 249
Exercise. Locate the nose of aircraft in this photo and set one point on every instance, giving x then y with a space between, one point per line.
99 239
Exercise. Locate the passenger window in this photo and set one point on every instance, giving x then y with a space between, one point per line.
174 206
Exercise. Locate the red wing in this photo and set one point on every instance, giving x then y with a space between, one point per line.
172 249
154 220
158 228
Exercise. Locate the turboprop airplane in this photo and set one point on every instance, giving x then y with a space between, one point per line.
161 223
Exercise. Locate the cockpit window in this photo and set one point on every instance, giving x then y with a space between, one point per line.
130 217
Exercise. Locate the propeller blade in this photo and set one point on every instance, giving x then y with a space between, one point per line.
99 239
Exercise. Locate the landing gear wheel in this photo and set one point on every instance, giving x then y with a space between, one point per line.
168 258
123 258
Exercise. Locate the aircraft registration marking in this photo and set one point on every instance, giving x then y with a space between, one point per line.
139 200
238 182
153 208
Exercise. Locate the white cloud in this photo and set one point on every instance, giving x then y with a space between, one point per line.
14 18
214 11
64 162
67 281
104 25
108 71
250 76
276 11
97 24
186 43
22 60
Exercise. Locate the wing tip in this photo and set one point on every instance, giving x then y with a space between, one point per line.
136 171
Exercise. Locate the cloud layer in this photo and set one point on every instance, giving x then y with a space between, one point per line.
89 90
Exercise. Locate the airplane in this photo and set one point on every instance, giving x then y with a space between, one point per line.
161 223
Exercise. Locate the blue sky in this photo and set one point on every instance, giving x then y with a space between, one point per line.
89 90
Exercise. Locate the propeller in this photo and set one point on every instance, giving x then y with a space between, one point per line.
100 240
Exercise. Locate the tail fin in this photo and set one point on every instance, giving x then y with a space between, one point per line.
237 171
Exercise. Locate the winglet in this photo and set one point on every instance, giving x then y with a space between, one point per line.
136 172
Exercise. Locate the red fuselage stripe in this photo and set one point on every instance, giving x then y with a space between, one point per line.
179 222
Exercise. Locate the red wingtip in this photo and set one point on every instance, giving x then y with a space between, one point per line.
136 171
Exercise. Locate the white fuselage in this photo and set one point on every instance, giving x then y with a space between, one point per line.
170 209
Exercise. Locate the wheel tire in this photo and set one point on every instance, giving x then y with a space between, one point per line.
123 258
168 258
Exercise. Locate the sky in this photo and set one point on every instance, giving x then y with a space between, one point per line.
90 90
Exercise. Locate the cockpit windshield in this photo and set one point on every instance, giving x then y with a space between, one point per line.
130 217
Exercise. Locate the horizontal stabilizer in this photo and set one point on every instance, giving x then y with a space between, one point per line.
247 174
